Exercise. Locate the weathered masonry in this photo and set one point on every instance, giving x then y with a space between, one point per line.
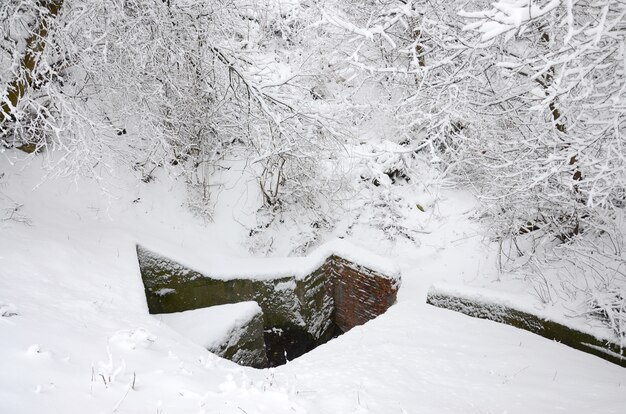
299 313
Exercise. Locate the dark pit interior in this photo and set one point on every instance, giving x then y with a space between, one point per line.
288 343
298 313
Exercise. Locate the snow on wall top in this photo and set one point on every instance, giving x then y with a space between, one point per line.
211 326
522 304
225 267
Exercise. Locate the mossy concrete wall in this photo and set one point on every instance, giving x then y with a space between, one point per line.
285 301
337 294
529 322
245 345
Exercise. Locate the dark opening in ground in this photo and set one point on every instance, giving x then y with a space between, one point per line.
289 343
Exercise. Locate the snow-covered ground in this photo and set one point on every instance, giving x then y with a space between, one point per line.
76 336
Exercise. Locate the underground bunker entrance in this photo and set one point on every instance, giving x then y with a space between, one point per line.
268 321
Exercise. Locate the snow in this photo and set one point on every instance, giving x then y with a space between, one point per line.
76 336
506 15
223 268
438 363
517 301
75 332
211 327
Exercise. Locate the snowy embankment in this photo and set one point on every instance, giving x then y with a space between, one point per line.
76 336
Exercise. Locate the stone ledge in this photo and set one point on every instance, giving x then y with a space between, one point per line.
496 312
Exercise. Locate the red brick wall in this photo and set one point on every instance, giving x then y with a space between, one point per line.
360 294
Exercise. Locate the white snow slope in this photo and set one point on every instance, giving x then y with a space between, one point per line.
76 336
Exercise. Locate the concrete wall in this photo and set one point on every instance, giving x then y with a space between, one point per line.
339 294
529 322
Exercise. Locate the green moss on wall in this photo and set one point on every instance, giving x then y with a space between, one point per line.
298 314
533 323
246 346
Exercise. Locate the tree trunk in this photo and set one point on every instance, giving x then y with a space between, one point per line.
35 45
556 116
